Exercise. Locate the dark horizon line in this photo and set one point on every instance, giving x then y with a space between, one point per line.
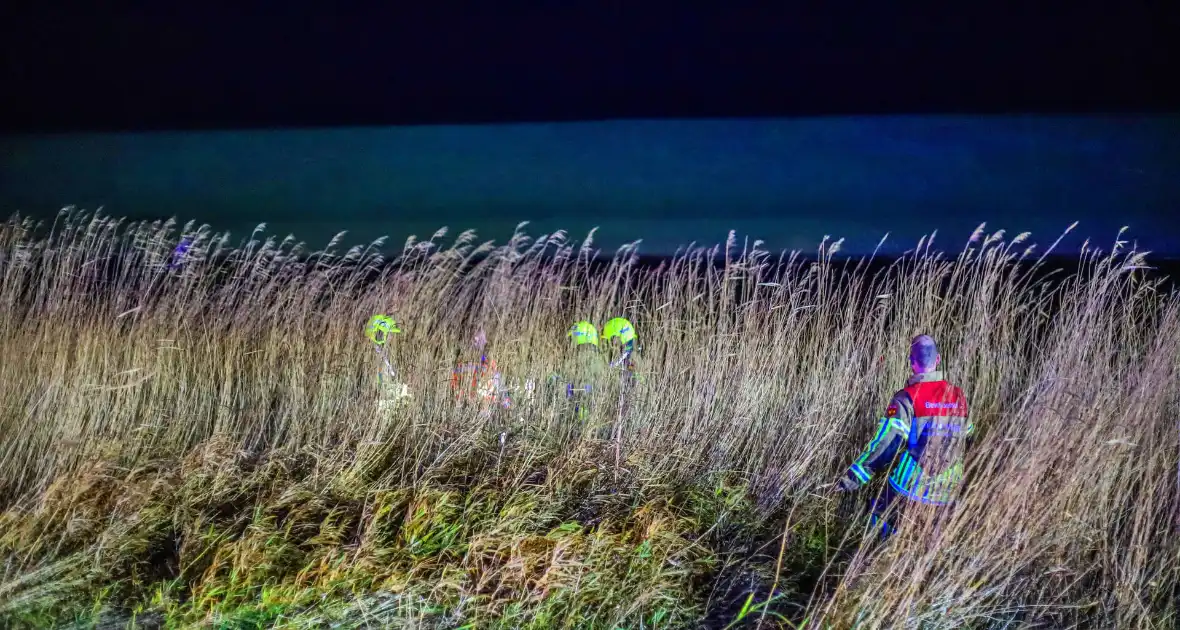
313 122
1166 264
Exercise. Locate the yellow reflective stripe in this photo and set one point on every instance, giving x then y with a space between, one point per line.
932 488
901 474
873 443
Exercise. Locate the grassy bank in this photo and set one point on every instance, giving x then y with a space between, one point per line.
205 445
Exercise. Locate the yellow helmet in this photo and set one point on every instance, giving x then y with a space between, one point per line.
619 327
584 332
380 327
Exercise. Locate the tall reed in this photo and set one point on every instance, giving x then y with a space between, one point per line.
206 441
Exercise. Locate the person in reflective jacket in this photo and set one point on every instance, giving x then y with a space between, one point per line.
927 423
588 367
485 385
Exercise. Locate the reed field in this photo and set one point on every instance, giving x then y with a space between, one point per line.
207 444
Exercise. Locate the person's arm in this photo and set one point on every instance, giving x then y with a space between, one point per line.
893 430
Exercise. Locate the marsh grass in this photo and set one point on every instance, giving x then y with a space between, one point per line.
204 446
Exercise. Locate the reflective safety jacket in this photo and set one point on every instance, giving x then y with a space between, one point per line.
484 383
927 422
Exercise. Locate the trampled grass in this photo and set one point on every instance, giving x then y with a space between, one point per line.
204 445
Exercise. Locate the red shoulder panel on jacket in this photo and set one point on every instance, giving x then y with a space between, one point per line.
937 398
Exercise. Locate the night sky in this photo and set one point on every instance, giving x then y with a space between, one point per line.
843 121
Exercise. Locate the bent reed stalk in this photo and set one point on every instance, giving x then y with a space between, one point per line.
203 444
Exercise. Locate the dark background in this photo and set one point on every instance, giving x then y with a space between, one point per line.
848 119
155 65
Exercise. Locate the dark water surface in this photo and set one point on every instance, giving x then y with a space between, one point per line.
787 182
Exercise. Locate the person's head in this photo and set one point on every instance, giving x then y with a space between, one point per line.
619 330
924 355
584 335
379 329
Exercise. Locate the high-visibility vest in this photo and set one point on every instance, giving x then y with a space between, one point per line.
476 381
931 464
